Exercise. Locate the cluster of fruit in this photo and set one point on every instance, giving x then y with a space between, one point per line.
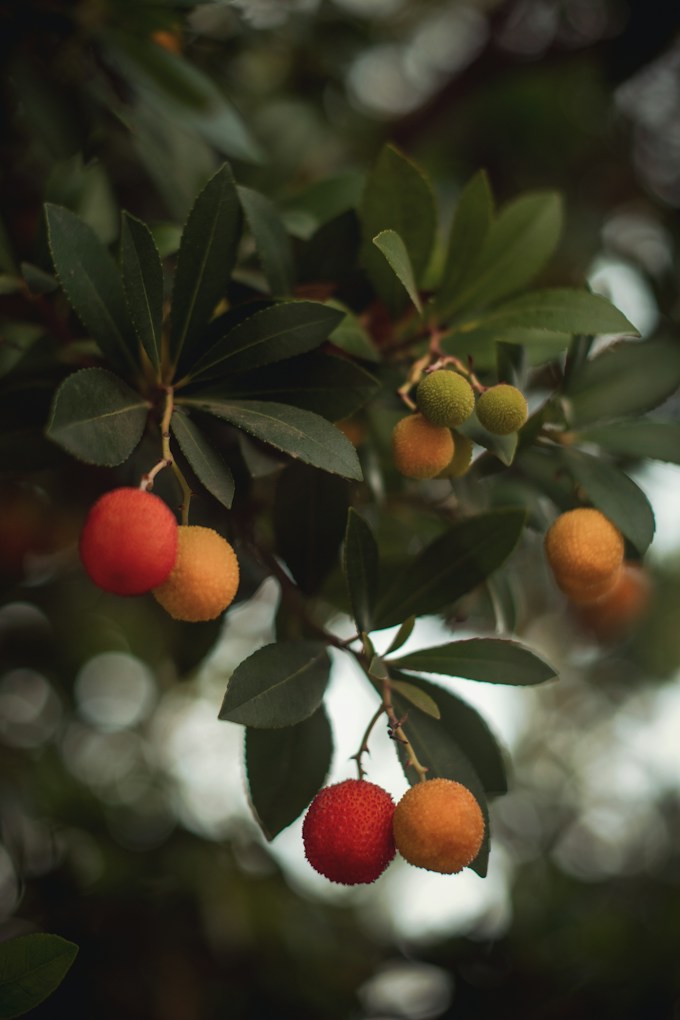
131 544
352 830
426 445
585 551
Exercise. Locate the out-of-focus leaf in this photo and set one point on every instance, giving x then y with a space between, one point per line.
301 434
360 566
322 201
143 284
393 248
271 240
17 340
658 440
403 634
37 280
309 522
469 229
286 769
492 660
351 337
97 417
278 685
31 968
205 461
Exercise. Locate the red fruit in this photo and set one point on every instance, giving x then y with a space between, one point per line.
128 544
347 832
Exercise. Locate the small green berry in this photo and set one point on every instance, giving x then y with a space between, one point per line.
445 398
502 409
462 457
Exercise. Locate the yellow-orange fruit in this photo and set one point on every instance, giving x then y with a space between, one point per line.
445 398
438 825
128 544
502 409
585 552
462 457
204 580
420 449
616 614
353 429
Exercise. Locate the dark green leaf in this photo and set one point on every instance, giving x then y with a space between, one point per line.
326 384
286 769
95 416
91 282
615 494
278 685
628 379
31 968
658 440
561 310
37 280
492 660
402 635
479 343
351 337
517 246
397 197
17 339
322 201
273 334
309 522
360 566
204 460
271 240
143 283
452 565
467 235
393 248
300 434
207 255
421 699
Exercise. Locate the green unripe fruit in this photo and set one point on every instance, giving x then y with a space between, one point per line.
462 457
502 409
445 398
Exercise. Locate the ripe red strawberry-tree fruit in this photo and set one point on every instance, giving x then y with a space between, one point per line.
128 544
347 832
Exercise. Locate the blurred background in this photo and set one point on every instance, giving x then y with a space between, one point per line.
125 823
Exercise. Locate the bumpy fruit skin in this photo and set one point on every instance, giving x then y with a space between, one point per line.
502 409
128 544
420 449
462 457
622 608
347 832
438 825
205 578
585 552
445 398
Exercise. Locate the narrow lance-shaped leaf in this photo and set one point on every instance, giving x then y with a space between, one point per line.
615 494
143 283
560 309
300 434
211 470
97 417
468 232
93 286
278 685
286 768
270 335
658 440
393 248
207 255
273 244
451 566
360 566
492 660
421 699
31 968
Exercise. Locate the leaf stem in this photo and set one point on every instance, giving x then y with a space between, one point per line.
396 731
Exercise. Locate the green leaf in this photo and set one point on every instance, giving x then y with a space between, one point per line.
479 342
97 417
402 635
469 229
360 566
397 197
143 284
562 310
452 565
393 248
31 968
615 494
207 255
300 434
286 768
309 522
37 280
270 335
492 660
17 339
517 246
623 381
278 685
351 337
658 440
271 240
204 460
326 384
416 696
91 282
